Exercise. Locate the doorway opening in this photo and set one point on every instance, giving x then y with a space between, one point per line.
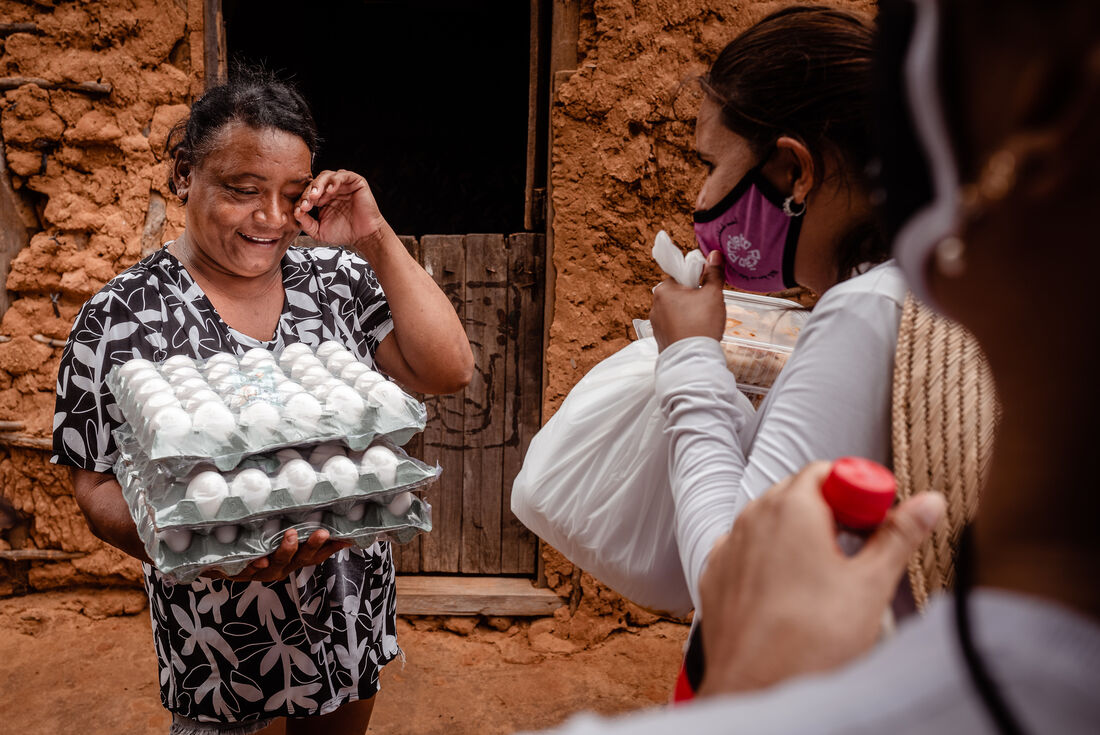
428 99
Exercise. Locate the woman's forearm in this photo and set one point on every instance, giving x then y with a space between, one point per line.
100 499
428 335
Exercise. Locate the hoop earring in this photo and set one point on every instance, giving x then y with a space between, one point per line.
789 211
950 256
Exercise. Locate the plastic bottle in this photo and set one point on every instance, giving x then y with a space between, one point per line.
860 493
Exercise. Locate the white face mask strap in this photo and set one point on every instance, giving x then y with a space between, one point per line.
938 220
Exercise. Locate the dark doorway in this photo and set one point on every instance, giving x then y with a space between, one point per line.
428 99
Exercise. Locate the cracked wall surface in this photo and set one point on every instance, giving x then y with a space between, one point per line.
87 172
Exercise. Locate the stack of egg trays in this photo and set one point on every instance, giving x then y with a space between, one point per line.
157 506
396 423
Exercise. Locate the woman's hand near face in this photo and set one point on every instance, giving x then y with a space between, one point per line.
349 212
780 599
680 312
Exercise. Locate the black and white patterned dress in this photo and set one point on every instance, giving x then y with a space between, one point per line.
240 651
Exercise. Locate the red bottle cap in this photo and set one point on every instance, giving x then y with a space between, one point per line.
859 491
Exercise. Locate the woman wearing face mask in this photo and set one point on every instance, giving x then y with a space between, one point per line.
783 131
989 170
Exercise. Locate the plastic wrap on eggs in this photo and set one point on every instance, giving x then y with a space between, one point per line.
226 408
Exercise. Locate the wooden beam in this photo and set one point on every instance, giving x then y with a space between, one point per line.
30 442
39 554
215 70
6 29
94 89
13 231
510 596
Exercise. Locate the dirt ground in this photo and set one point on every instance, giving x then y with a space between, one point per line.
83 663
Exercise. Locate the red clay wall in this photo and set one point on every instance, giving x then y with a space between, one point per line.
89 172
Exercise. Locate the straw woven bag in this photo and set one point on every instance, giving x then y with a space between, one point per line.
944 416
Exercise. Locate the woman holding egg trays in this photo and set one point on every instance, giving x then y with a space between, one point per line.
783 131
303 632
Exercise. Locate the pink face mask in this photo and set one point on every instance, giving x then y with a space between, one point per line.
755 235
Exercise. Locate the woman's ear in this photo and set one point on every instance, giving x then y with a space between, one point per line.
798 171
181 177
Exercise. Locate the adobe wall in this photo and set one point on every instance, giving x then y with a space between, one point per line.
90 187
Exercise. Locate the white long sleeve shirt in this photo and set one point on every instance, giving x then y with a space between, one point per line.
831 400
1044 659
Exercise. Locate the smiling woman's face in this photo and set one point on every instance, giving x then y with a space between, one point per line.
240 198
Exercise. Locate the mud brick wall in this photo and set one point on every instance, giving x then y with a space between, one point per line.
90 187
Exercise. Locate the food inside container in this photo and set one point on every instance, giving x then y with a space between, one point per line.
760 334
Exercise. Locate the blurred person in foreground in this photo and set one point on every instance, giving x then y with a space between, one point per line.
989 116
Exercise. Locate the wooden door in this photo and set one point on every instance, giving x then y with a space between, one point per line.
479 436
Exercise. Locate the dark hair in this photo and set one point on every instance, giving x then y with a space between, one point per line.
805 72
253 96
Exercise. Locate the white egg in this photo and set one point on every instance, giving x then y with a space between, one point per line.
329 348
209 490
303 409
314 376
287 454
252 486
190 387
339 360
226 534
293 351
219 372
220 358
130 367
257 356
345 403
198 398
303 363
171 422
181 374
156 402
323 452
381 462
214 419
271 529
176 539
342 473
352 371
400 504
315 517
321 392
365 381
151 387
299 478
260 415
355 512
177 361
229 384
389 398
287 388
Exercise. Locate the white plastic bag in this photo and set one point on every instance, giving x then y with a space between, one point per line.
594 484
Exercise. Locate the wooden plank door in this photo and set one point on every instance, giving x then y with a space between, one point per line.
479 436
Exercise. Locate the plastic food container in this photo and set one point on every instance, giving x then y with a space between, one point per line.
760 334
